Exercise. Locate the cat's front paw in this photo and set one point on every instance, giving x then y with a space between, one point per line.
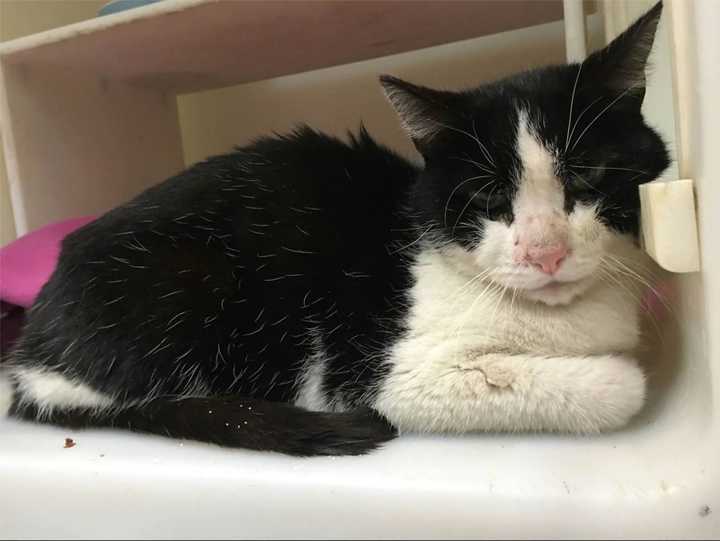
609 390
586 395
567 394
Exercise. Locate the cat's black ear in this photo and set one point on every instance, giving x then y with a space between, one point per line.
424 112
620 67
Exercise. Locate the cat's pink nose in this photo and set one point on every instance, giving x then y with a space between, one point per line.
547 258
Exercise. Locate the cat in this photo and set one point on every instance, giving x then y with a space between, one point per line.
311 296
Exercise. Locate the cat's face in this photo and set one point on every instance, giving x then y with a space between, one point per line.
532 179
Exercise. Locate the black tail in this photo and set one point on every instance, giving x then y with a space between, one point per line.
234 422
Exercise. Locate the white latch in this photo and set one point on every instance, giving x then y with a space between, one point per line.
669 224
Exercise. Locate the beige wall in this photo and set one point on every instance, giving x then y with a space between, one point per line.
19 18
338 99
22 17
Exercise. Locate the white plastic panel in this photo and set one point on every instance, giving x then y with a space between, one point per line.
669 224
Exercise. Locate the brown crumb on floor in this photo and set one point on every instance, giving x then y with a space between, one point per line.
69 442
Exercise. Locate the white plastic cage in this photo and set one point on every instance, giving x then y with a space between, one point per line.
89 118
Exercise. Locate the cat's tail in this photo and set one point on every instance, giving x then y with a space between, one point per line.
230 422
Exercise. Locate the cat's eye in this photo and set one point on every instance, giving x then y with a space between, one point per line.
490 201
581 186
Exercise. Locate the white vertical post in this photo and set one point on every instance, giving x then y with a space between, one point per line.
575 39
681 40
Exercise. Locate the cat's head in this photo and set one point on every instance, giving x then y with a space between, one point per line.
532 178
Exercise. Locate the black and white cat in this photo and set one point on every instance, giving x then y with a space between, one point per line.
310 296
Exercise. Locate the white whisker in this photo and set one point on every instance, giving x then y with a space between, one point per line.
476 164
613 102
392 252
582 114
447 204
631 273
572 101
470 200
460 291
488 157
602 168
487 206
483 149
586 183
607 272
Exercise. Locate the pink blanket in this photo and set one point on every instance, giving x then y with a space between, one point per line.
27 263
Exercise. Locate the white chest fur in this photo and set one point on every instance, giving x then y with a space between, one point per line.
475 358
449 312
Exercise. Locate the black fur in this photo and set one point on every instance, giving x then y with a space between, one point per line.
209 284
240 422
225 279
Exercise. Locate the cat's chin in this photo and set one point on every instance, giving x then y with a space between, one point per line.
557 293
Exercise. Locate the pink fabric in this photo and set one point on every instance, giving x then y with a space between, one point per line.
27 263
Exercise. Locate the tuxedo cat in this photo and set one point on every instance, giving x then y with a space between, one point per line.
314 297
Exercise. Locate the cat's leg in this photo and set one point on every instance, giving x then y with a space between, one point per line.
472 391
230 421
186 408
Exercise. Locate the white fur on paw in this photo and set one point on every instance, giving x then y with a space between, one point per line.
512 393
617 394
584 394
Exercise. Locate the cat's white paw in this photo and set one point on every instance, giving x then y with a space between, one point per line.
575 394
610 390
514 393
